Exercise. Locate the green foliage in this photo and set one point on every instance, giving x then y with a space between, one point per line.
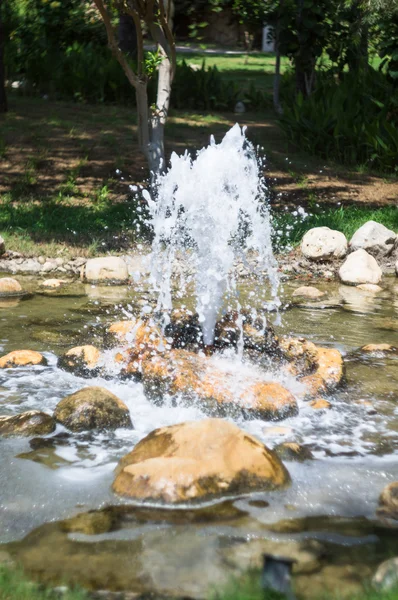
203 89
352 121
388 46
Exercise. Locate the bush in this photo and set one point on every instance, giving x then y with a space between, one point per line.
353 120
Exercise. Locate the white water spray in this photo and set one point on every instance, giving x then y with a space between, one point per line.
213 209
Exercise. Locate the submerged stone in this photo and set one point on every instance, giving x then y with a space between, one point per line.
92 408
293 451
10 286
30 423
22 358
308 291
379 348
388 501
386 576
198 460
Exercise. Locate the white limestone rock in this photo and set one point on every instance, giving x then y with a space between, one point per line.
360 267
107 269
375 238
323 243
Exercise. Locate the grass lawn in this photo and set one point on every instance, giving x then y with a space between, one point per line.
14 585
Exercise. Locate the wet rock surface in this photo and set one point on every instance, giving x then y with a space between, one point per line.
196 379
92 408
27 424
198 460
22 358
81 360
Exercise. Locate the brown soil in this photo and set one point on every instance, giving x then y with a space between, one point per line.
71 150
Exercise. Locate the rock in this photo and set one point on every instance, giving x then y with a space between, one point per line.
300 353
121 332
388 501
195 379
379 348
386 576
306 555
53 283
82 360
93 522
325 366
375 238
293 451
320 404
22 358
307 291
2 246
360 267
330 367
9 287
30 423
396 268
323 243
198 460
92 408
185 331
145 341
370 287
108 269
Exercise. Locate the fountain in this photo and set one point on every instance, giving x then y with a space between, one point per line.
213 209
195 500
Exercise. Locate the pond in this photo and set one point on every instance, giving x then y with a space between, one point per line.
328 511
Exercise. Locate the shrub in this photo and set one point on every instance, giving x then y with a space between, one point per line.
353 120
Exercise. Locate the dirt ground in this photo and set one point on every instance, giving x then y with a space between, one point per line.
80 153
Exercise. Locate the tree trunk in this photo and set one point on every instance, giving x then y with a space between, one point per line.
3 95
141 95
277 77
159 115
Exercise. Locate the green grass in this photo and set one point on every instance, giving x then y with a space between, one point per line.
15 586
346 219
248 587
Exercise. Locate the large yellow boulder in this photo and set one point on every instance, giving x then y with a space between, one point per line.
22 358
198 460
196 378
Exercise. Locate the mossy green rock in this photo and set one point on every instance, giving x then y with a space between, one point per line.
92 408
30 423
